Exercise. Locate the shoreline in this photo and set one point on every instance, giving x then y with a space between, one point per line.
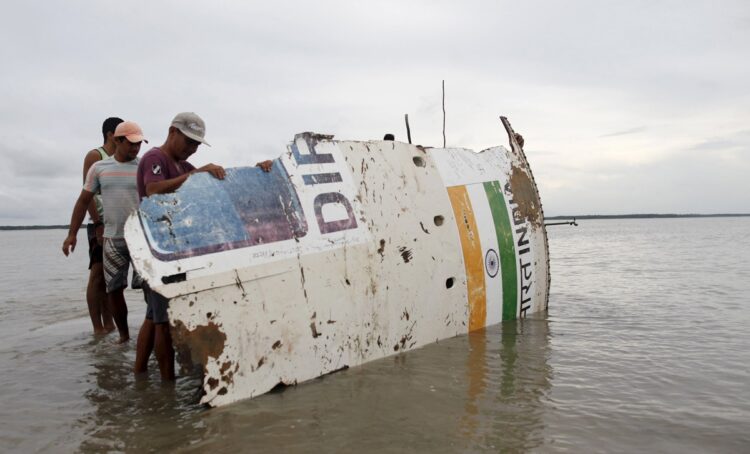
577 217
648 216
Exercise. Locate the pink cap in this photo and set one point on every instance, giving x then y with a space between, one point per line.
131 131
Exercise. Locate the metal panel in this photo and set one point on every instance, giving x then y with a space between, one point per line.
347 252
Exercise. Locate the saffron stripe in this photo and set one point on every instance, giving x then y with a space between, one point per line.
507 248
472 252
493 279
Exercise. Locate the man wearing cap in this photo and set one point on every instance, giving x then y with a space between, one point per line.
162 170
96 294
115 179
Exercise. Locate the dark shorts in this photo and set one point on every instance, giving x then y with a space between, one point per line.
96 251
156 305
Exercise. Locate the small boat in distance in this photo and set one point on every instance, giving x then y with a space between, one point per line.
346 252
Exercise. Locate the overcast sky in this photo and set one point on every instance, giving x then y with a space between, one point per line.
626 106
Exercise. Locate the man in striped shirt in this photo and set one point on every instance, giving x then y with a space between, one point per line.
115 179
96 293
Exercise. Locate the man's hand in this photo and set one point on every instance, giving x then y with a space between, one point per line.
100 234
265 165
69 245
213 169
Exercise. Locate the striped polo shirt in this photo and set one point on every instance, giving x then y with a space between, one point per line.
117 183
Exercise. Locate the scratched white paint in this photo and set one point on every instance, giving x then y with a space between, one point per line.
296 309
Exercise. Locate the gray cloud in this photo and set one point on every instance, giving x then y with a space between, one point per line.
625 132
574 77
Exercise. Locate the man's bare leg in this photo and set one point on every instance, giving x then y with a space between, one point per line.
119 309
144 346
107 321
164 351
96 280
96 297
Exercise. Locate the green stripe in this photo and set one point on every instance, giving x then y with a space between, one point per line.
507 248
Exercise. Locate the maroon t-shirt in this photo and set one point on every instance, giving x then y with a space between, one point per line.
157 166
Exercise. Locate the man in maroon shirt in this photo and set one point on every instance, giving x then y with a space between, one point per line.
162 170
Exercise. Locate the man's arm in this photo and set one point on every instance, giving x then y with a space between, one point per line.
171 185
91 158
76 219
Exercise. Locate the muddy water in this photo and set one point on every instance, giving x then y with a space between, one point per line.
646 347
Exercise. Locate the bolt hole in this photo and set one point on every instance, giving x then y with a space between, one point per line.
449 282
418 161
438 220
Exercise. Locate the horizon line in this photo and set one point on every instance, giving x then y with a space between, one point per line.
579 216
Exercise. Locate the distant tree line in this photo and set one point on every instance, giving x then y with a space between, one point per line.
33 227
648 216
583 216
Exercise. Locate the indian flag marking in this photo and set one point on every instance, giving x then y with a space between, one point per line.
490 252
507 249
473 256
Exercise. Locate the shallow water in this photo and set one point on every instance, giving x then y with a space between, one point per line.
646 347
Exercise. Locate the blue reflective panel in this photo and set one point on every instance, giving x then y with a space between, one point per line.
247 208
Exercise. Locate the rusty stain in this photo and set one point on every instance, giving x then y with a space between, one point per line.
261 362
227 375
222 391
212 383
406 254
381 249
238 283
276 345
405 338
423 228
302 277
525 196
199 344
314 330
405 315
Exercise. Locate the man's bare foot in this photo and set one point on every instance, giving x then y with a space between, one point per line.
109 328
100 332
122 340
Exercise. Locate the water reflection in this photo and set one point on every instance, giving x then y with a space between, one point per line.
482 392
508 379
134 415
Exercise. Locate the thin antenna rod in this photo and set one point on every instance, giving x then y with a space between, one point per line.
443 113
408 130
